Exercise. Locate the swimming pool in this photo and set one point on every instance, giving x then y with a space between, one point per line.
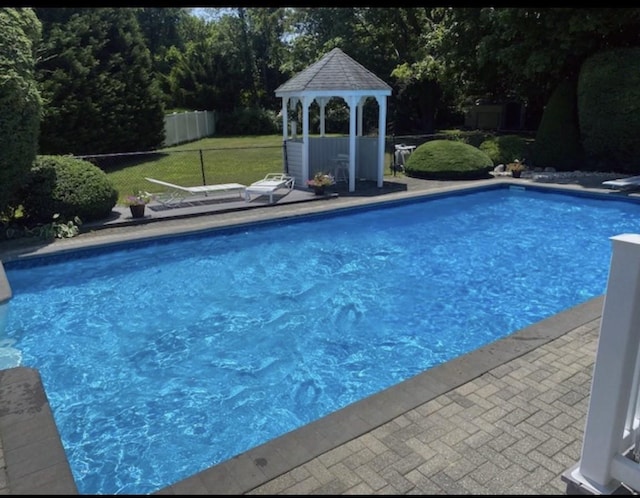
336 298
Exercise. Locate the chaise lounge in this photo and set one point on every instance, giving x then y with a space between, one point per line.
623 183
177 193
269 185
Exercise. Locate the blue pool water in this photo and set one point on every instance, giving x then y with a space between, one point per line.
164 358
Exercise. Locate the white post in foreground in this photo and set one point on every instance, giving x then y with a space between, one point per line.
612 420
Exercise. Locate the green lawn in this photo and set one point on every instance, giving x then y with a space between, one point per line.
240 159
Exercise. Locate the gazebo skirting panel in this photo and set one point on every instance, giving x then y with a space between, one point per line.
323 152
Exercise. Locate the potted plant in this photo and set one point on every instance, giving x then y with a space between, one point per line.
137 202
516 168
320 182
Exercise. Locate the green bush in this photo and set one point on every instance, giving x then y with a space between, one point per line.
248 121
557 142
505 149
448 160
68 187
608 96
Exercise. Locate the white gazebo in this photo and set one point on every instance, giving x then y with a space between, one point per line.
334 75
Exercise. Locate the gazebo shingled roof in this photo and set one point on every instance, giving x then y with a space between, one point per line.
334 71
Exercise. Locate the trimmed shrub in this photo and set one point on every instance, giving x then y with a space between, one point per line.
448 160
557 142
69 187
505 149
608 96
248 121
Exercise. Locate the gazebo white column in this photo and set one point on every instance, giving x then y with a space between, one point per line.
382 129
285 119
322 103
352 103
360 113
293 104
306 101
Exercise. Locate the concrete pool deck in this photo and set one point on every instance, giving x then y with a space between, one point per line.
507 418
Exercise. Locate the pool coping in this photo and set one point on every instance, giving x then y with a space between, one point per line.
27 473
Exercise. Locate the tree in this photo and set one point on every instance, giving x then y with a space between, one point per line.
527 52
96 76
20 103
208 74
162 31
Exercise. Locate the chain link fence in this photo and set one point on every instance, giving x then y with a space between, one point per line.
187 167
201 166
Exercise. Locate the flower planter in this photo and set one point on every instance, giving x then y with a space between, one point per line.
137 210
516 174
319 190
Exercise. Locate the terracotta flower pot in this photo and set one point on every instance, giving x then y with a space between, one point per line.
137 210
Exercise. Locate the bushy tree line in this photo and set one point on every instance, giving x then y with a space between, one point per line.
437 60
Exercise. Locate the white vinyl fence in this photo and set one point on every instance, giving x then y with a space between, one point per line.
181 127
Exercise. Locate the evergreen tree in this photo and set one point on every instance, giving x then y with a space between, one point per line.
20 102
97 80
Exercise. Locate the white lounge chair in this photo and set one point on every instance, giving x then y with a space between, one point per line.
177 193
269 185
623 183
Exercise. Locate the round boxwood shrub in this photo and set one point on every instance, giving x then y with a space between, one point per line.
505 149
69 187
448 160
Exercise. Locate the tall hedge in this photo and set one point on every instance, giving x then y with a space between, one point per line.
609 110
558 143
20 103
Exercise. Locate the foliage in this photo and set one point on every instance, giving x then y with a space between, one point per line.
248 121
504 149
96 75
208 74
448 160
20 103
55 229
526 52
69 187
321 179
609 110
138 198
557 142
516 166
434 58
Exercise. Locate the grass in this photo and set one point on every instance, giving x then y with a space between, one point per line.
238 159
219 159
